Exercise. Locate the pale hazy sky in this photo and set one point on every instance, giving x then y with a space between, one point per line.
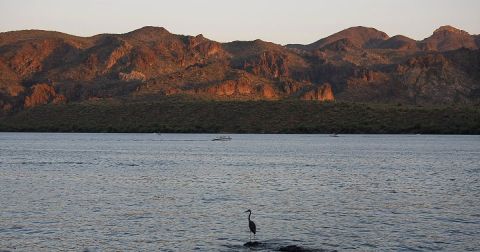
279 21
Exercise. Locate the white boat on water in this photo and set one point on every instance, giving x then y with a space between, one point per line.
222 138
334 135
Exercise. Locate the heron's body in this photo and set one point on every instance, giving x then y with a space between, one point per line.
251 224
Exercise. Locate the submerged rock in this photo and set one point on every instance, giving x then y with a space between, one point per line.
252 244
292 248
295 248
289 248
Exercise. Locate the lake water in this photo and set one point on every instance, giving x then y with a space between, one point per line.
184 192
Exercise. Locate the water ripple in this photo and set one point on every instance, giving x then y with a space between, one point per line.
174 192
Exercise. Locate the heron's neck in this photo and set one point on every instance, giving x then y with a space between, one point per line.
250 213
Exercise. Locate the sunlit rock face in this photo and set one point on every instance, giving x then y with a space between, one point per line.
319 93
43 94
357 64
448 38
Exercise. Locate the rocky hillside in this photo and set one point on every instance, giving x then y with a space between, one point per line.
357 36
357 64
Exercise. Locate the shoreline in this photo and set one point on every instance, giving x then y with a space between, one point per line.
245 117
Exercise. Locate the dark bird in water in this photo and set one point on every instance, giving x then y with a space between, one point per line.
251 225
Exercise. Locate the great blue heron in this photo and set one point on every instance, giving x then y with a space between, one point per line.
251 224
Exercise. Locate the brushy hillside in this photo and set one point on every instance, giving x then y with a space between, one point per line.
287 116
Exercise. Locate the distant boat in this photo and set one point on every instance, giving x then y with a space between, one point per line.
334 135
222 138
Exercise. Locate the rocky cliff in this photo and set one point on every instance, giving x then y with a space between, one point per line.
357 64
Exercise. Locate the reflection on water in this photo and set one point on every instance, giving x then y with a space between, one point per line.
104 192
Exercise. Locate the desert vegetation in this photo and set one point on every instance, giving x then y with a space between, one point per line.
177 114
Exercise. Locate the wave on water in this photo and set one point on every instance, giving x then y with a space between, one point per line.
274 245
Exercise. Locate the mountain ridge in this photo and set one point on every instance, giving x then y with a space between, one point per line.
357 64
